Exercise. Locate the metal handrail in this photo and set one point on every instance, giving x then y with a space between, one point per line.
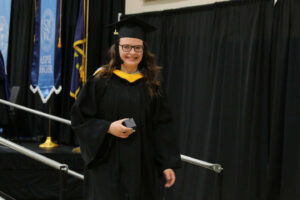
40 158
64 121
211 166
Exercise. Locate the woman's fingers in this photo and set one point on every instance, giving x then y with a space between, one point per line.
170 177
119 130
125 132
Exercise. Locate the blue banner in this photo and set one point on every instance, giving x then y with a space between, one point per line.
78 73
5 7
46 65
4 77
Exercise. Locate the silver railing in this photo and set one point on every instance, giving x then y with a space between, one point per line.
211 166
40 158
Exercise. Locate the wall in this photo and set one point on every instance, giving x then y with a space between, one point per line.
140 6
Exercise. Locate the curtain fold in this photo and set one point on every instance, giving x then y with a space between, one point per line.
284 165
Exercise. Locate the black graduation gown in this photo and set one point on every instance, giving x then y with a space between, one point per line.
130 168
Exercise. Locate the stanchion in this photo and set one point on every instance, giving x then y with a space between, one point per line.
48 143
76 150
62 181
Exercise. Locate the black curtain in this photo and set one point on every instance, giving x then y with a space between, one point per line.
30 126
19 59
216 61
284 166
231 71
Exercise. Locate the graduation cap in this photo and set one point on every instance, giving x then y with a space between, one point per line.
132 27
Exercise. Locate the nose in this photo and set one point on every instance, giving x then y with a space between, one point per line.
132 50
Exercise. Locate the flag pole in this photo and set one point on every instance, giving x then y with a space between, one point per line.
49 144
83 62
86 37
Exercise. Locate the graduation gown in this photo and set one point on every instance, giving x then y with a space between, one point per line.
131 168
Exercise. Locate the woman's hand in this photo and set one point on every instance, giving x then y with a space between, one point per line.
119 130
169 175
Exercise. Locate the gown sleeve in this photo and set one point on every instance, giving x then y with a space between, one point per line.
90 129
166 140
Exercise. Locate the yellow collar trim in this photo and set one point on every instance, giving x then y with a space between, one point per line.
129 77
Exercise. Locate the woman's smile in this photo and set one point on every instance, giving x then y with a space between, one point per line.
131 58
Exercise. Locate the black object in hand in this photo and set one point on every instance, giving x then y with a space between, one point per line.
129 123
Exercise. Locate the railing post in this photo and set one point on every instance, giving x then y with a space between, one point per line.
62 181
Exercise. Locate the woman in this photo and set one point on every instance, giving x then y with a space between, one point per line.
123 163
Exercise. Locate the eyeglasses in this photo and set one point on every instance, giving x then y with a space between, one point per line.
127 48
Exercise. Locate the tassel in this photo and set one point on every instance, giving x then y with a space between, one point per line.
60 14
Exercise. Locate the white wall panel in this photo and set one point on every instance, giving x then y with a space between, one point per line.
140 6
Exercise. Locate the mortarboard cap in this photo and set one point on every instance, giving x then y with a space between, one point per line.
132 27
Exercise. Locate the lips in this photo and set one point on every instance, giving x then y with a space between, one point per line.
131 58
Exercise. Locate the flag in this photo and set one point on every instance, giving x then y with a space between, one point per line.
5 8
79 68
4 94
46 64
3 77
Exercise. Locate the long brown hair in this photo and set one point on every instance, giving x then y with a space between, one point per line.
147 67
